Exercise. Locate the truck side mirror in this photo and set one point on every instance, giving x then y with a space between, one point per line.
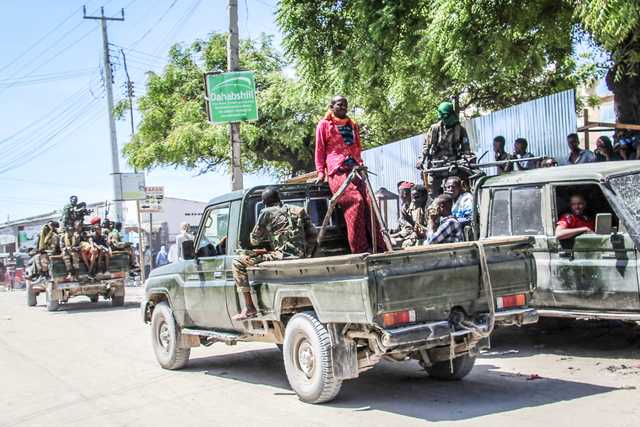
188 249
604 223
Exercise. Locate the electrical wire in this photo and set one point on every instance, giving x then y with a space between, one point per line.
40 40
179 25
155 24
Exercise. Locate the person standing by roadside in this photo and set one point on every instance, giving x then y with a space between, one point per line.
148 260
501 155
520 152
162 258
338 150
576 154
183 237
604 150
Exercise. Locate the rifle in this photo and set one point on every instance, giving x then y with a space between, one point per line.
473 168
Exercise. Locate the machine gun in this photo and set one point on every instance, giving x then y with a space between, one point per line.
474 170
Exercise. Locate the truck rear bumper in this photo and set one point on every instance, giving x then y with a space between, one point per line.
439 331
64 290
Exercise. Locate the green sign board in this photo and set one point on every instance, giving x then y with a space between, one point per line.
231 97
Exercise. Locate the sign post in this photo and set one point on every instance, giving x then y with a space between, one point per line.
231 97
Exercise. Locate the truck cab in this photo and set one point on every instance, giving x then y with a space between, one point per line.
593 275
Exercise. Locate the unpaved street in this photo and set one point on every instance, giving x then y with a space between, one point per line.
89 365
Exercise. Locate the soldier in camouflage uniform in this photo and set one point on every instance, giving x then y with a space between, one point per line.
415 228
445 141
286 231
114 238
70 245
48 244
73 211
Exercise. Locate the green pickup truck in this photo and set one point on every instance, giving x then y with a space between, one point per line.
109 285
338 314
590 276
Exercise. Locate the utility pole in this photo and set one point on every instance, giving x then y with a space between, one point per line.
233 60
108 81
141 240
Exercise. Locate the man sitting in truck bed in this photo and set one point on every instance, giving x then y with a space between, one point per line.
443 227
286 231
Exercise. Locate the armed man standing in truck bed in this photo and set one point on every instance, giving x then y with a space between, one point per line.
446 141
286 231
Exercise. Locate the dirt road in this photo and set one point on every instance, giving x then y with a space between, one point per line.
92 365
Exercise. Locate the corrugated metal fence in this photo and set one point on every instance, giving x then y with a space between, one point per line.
544 123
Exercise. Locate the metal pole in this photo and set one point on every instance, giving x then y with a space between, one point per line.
130 95
233 59
108 81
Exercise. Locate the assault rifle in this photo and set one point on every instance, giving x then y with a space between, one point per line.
474 170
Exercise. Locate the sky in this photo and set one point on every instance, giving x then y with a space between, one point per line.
54 135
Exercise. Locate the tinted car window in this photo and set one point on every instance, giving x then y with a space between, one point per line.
526 215
500 213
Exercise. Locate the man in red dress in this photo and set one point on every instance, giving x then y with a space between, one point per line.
575 223
338 151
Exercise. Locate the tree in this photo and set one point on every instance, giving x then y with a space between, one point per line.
174 129
400 58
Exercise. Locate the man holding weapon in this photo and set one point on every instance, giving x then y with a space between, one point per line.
445 142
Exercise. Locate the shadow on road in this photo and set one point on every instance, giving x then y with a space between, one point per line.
609 339
88 307
405 389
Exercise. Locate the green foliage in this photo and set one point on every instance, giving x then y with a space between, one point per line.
175 131
397 59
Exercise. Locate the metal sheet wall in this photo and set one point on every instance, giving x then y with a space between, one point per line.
544 123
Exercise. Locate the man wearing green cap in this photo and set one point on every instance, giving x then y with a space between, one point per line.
445 141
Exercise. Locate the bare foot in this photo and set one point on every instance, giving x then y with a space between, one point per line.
246 314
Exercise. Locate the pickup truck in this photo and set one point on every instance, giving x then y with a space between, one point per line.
337 314
58 289
593 275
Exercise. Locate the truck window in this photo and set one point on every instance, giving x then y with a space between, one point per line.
526 212
499 219
627 187
596 201
316 208
216 226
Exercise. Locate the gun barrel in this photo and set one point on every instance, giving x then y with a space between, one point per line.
504 162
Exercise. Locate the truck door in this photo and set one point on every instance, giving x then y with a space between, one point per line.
591 271
205 277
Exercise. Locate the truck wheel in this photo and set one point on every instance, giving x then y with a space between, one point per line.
32 298
165 338
307 359
116 301
93 298
52 305
461 367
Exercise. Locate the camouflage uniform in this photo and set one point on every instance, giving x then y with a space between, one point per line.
288 232
445 144
414 229
71 250
48 244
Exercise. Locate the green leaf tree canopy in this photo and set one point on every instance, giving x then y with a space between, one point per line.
174 129
400 58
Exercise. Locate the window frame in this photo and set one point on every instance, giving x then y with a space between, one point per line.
509 190
205 217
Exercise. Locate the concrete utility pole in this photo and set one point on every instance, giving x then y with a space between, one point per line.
108 81
233 60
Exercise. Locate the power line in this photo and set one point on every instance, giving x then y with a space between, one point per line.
154 25
37 42
173 32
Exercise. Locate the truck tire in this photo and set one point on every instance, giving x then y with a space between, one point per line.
93 298
461 367
166 337
32 298
117 300
52 305
308 361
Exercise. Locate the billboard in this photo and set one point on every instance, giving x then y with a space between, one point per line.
231 97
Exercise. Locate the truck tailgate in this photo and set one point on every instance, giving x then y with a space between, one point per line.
432 280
